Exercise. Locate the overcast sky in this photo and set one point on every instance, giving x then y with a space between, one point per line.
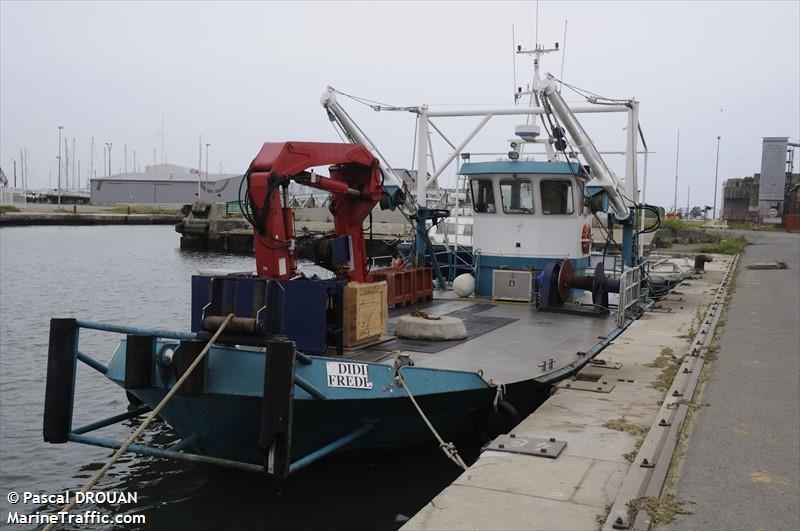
241 74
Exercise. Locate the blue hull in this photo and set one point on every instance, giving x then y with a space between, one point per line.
225 419
229 425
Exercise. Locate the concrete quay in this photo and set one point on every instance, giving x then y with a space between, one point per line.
12 219
604 417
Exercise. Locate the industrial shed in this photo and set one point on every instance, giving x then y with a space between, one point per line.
164 184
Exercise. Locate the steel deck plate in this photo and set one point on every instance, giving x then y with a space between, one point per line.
539 447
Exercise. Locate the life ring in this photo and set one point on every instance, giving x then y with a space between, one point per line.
586 238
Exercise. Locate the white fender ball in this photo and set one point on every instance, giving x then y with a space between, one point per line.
464 285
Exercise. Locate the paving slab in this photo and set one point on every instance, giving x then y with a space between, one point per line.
468 508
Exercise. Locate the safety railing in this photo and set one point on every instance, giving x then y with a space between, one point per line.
630 282
63 356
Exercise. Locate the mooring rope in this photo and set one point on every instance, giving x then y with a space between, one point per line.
500 393
448 448
124 448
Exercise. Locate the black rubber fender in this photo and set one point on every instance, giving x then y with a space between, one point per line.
503 420
60 387
184 356
139 354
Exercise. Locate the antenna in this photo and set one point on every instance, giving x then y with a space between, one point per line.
199 163
677 154
563 55
537 24
514 61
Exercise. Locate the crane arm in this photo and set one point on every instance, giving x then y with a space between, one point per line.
603 176
354 185
354 134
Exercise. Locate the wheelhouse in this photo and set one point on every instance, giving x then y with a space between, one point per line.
526 214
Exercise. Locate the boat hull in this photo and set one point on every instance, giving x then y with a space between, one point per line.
228 426
225 419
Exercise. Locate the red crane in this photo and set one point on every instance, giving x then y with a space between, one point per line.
355 186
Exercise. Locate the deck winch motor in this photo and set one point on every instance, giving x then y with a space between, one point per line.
556 281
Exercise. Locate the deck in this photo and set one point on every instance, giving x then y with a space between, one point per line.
508 341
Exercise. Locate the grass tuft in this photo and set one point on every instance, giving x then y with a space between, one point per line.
729 245
636 430
663 359
662 509
601 518
631 456
675 224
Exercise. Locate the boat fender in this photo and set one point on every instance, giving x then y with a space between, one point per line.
139 354
501 420
277 406
464 285
187 352
586 238
59 392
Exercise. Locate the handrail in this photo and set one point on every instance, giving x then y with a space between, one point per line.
122 329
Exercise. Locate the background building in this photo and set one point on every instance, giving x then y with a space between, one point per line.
776 162
740 199
768 196
164 184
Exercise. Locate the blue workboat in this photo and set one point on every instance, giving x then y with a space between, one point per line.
266 379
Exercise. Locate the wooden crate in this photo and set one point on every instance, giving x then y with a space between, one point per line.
366 313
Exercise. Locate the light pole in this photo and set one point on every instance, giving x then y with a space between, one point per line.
207 145
109 158
716 175
60 127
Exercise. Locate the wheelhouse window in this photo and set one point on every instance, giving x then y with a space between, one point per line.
517 196
557 197
483 196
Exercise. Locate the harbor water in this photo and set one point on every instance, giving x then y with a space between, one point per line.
137 275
